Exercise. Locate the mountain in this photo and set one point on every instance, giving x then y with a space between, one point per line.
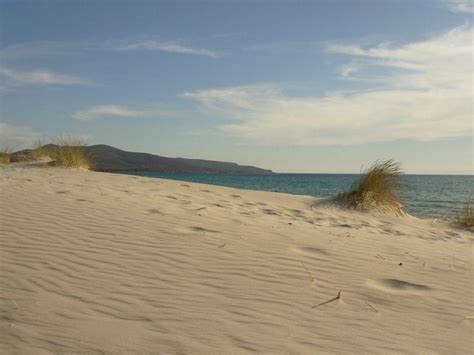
107 158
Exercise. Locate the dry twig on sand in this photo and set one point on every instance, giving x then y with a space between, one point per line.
329 301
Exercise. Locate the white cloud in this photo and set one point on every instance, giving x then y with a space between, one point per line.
39 77
439 62
171 47
466 6
349 69
427 94
17 136
99 111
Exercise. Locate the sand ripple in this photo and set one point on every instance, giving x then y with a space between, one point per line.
103 263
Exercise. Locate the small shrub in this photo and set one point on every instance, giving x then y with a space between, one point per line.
5 155
69 151
375 189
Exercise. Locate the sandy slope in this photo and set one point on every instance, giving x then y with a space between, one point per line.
94 262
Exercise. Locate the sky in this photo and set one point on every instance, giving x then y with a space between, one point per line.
322 86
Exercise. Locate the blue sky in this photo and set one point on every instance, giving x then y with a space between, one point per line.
294 86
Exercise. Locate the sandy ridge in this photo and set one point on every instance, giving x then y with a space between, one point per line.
95 262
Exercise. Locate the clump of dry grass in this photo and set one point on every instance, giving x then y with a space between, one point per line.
5 155
38 150
376 188
69 151
466 219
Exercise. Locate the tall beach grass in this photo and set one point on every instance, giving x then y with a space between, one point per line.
466 217
5 155
376 188
70 152
38 150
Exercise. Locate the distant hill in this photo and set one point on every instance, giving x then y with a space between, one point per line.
107 158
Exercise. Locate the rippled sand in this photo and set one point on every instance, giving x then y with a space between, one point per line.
103 263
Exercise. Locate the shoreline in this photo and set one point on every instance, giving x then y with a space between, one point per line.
104 262
446 211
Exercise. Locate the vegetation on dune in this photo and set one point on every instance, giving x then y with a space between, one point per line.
376 188
66 150
69 151
38 150
466 217
5 155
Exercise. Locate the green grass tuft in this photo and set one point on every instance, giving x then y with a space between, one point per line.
376 188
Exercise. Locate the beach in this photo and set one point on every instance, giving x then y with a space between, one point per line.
107 263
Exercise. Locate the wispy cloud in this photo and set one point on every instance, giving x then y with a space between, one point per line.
466 6
426 94
100 111
284 46
17 136
39 77
440 62
39 49
53 48
171 47
349 69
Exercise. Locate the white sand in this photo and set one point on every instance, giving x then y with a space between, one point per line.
95 262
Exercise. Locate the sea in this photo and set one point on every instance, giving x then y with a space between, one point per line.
429 196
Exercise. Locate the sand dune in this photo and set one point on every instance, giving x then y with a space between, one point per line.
103 263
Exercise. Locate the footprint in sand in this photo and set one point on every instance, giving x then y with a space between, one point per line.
452 234
297 214
217 205
398 286
269 211
153 211
200 229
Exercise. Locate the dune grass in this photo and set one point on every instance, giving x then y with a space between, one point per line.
376 188
5 155
69 151
38 150
466 217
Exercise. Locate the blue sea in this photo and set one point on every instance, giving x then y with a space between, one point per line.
423 195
